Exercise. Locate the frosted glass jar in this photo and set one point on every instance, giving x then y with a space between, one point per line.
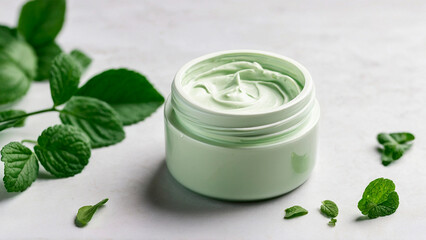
242 156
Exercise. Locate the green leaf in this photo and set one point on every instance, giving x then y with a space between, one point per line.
332 222
329 208
395 145
14 83
20 167
12 31
379 199
64 78
40 21
63 150
128 92
17 67
295 211
82 59
45 56
17 52
85 214
4 115
96 118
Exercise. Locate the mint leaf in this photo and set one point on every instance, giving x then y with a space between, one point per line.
14 83
40 21
395 145
82 59
96 118
85 214
295 211
63 150
4 115
17 67
379 199
64 78
17 52
45 56
12 31
130 94
20 167
329 208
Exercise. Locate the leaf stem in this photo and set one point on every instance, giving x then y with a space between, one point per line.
29 141
52 109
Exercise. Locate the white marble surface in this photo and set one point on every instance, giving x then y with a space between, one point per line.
367 58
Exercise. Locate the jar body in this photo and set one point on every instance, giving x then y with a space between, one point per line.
240 173
241 156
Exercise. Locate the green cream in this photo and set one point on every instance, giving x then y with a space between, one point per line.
241 125
229 85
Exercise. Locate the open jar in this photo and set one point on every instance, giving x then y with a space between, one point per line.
241 125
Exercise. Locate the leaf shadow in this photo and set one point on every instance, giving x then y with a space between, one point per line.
362 218
4 195
44 175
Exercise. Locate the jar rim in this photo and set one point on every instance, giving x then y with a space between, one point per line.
177 83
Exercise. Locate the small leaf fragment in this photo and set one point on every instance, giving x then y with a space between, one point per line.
332 222
329 208
63 150
85 214
64 78
295 211
20 167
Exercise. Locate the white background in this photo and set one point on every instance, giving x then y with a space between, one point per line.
367 59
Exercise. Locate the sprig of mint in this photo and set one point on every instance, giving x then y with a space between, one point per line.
379 199
295 211
85 214
330 209
394 145
27 51
89 122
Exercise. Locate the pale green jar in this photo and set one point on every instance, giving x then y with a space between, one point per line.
242 155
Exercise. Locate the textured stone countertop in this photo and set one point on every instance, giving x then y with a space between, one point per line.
368 61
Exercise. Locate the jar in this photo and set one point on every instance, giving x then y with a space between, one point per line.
242 157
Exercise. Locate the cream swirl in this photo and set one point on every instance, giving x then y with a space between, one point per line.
240 86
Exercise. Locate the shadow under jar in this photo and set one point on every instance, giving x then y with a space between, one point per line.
241 125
